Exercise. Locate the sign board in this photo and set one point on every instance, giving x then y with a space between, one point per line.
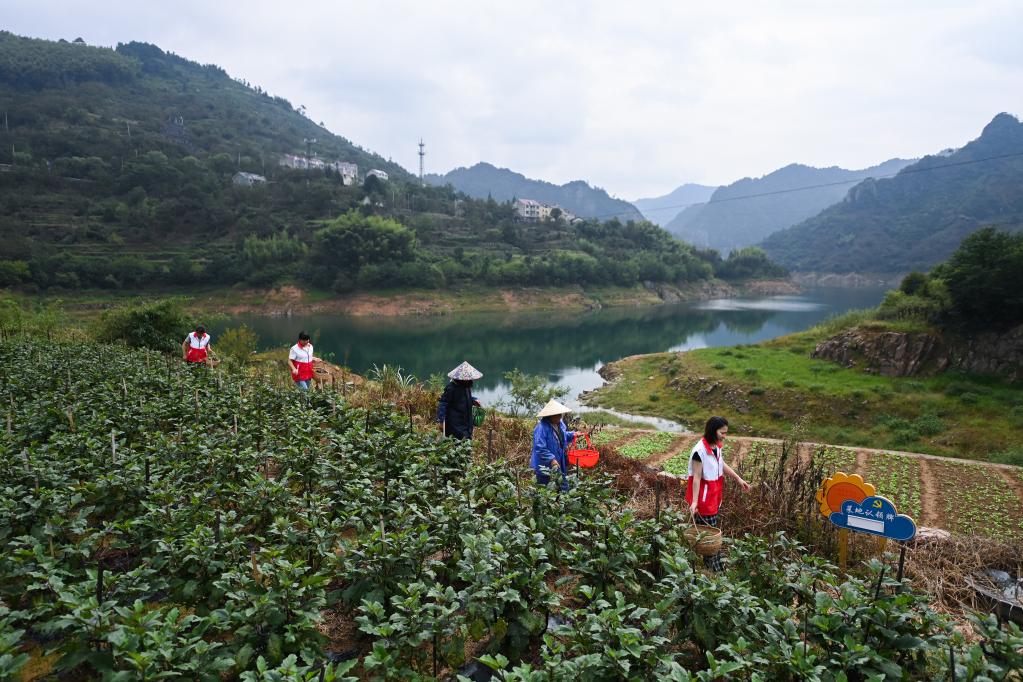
851 503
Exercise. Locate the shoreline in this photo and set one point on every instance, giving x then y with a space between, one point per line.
289 299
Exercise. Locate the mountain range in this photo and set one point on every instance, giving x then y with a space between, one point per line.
662 210
484 180
917 218
748 210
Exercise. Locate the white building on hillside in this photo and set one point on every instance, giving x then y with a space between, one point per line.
377 174
243 179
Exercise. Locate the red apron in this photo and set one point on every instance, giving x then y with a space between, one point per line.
305 369
197 347
709 495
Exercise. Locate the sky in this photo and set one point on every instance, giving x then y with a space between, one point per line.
634 97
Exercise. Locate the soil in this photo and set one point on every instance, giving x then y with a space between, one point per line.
862 461
930 507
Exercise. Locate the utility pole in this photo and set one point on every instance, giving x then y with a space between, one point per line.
422 156
309 142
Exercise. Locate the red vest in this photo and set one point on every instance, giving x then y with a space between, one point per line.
305 366
711 480
197 347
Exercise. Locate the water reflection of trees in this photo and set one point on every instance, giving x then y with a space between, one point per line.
535 343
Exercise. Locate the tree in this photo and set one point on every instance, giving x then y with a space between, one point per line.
528 392
984 278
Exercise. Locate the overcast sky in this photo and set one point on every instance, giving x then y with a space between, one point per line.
635 97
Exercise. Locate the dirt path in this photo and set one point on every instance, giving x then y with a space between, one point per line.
862 462
680 444
930 506
740 453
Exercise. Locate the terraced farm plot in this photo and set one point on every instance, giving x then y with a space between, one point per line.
976 500
835 459
896 477
648 445
608 436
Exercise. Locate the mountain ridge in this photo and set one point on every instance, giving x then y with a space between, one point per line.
663 209
748 210
917 218
483 180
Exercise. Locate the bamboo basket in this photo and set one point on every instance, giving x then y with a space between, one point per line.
704 540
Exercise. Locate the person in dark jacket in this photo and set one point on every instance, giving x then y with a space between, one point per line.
550 445
454 409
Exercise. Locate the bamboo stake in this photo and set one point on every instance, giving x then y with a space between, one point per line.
113 446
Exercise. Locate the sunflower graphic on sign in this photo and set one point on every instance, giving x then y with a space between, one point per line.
850 502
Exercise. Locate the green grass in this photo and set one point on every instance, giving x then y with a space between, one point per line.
769 390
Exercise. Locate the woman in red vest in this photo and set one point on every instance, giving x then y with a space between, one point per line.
195 349
707 471
301 360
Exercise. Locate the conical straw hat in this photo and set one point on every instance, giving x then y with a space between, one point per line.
465 372
552 408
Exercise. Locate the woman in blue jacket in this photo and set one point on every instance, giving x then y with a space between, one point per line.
550 442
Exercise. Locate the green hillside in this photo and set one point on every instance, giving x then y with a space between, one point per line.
119 175
917 218
748 210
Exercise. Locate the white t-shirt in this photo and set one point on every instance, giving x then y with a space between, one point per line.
300 354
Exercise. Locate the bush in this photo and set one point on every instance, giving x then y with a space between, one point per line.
929 425
159 325
238 343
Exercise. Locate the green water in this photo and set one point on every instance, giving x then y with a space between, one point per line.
567 347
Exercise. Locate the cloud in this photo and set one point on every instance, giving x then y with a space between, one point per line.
637 98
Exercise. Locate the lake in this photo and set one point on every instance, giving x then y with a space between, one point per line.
566 347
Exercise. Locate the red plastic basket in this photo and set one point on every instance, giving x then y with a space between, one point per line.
583 457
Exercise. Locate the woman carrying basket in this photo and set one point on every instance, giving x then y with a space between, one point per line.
705 484
550 443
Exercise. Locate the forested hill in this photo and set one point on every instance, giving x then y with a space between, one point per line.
66 100
484 180
123 177
730 220
917 218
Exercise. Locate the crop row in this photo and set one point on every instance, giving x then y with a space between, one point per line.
975 500
896 477
648 445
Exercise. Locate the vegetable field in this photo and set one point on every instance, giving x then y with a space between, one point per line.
164 522
964 497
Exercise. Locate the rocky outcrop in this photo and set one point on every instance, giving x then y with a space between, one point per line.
913 353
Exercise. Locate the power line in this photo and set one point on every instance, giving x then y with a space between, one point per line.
906 171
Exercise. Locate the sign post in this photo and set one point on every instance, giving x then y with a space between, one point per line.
852 504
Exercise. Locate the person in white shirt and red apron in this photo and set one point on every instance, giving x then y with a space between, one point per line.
301 360
707 470
195 349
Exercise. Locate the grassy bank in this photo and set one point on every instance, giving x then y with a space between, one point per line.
774 389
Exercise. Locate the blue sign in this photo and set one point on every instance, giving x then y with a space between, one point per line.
877 516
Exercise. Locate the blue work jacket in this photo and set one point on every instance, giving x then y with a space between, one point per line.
546 447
